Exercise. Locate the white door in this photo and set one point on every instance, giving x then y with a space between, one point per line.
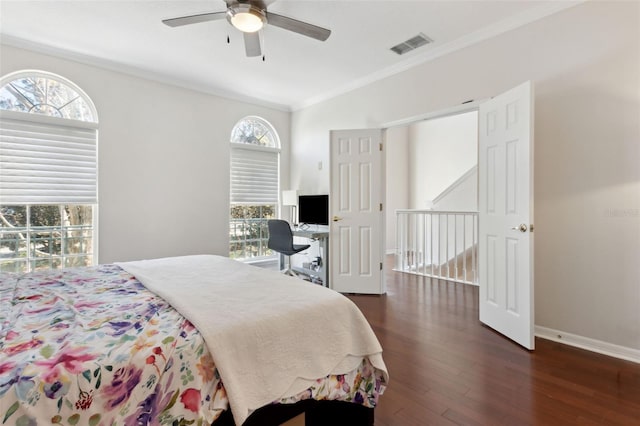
356 220
505 201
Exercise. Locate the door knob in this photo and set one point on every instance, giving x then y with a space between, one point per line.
336 218
521 228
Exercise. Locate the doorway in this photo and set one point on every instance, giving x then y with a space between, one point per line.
431 164
505 211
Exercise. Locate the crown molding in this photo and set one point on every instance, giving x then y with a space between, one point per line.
437 51
494 30
135 72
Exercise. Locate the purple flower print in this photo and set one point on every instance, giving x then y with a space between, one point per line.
56 389
148 411
125 379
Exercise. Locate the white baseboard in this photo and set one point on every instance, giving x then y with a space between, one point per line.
589 344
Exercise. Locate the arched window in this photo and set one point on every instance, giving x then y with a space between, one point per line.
48 173
255 157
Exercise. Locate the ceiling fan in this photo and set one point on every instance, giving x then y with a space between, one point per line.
250 16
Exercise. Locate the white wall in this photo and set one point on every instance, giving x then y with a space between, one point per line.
462 196
397 180
587 155
425 158
442 150
163 159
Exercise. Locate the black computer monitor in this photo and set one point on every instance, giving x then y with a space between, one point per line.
313 209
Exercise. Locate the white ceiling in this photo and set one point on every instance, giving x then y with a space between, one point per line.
129 36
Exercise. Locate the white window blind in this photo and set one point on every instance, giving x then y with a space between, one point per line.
45 162
254 176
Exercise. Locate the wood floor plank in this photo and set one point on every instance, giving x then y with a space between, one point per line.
447 368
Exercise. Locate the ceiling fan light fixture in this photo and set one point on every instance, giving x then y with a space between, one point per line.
247 18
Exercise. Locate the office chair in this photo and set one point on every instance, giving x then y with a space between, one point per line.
281 241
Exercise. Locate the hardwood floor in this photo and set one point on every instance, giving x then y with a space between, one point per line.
446 368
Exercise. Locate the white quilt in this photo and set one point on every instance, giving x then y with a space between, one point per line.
270 335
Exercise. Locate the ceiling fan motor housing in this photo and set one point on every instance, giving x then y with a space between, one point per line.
246 17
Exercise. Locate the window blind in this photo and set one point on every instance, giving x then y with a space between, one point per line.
254 176
47 163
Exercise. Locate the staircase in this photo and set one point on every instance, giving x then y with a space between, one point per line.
463 267
438 244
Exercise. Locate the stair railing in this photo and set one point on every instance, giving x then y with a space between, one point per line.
438 244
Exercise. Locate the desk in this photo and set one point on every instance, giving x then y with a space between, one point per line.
318 233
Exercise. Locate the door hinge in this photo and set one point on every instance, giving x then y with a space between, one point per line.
381 266
380 147
380 206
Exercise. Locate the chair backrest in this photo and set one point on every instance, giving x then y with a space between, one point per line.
280 236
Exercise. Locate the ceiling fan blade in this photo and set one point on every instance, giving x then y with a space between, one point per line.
194 19
252 44
299 27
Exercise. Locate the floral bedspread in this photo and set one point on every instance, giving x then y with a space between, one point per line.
92 346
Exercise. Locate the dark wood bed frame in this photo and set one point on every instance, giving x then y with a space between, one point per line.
317 413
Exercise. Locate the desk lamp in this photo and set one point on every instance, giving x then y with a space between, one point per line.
290 198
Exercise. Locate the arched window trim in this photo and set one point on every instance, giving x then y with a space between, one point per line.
264 122
47 118
254 193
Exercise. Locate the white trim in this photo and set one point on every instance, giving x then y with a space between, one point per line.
593 345
455 110
264 122
511 23
137 72
16 75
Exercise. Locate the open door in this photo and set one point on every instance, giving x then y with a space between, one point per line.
356 219
505 201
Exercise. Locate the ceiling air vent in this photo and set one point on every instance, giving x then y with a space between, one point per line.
412 43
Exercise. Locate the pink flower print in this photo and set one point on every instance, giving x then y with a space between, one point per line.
190 398
71 359
187 326
87 304
7 366
11 335
21 347
33 297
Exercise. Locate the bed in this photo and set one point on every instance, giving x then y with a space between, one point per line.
186 340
